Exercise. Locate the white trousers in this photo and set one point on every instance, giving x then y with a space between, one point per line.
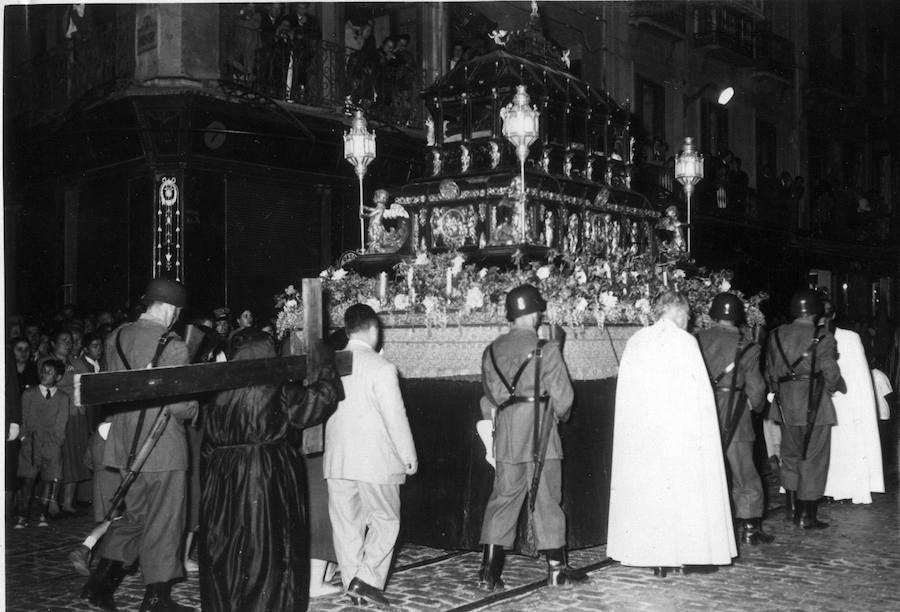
365 519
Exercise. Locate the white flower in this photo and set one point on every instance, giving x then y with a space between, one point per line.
474 298
290 290
401 301
581 305
543 272
290 304
421 259
608 300
430 303
396 211
338 274
373 303
458 262
580 276
643 305
482 273
707 282
324 273
725 286
678 273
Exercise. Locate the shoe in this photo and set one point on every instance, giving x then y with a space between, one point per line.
790 505
359 590
42 521
158 598
21 523
663 571
752 532
807 518
699 569
558 570
103 582
81 560
491 567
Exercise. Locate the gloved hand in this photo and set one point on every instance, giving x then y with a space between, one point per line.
770 397
412 466
13 432
485 429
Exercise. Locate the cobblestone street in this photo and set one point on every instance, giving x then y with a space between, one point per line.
853 565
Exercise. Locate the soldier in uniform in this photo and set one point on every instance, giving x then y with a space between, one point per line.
525 382
154 520
801 362
732 361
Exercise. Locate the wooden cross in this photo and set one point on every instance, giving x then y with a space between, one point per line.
170 382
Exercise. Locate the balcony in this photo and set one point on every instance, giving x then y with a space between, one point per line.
299 68
42 87
774 58
725 33
663 18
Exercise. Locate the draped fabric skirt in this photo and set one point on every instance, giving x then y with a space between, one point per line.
254 542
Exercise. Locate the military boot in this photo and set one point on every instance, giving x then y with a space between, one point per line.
791 508
752 532
558 570
103 583
807 518
491 567
157 598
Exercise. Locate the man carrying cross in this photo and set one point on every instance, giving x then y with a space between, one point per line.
153 523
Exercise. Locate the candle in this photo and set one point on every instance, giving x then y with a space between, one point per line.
665 278
381 287
449 289
409 285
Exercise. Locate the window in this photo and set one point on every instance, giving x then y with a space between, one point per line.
651 110
713 127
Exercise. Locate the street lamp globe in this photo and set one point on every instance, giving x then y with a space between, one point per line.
359 150
689 172
521 125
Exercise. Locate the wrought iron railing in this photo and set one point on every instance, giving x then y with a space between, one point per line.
87 63
726 27
308 70
669 13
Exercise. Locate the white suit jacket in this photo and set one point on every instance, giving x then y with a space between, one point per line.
368 437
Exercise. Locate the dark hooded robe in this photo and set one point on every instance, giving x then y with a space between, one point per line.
253 517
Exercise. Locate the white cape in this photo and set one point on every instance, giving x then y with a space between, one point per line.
669 500
854 470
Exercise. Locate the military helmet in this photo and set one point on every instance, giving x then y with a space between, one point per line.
805 302
165 290
727 307
524 300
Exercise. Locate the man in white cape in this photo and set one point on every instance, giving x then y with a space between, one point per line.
669 506
854 468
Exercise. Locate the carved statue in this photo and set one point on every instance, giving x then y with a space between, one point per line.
545 161
482 226
633 237
435 162
465 158
498 37
671 223
589 169
572 232
566 59
495 154
388 227
615 235
567 165
549 223
423 229
429 134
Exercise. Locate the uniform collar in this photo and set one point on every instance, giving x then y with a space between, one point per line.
358 345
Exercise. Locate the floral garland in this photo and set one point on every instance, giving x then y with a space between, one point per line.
437 290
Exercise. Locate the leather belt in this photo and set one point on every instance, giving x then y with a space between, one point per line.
794 378
728 389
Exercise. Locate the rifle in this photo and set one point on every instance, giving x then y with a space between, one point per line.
814 395
541 430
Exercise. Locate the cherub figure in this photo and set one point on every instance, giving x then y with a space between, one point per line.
566 59
375 213
545 161
429 134
435 162
465 158
498 37
671 223
567 165
549 223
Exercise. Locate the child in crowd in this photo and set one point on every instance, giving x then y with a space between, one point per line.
45 412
